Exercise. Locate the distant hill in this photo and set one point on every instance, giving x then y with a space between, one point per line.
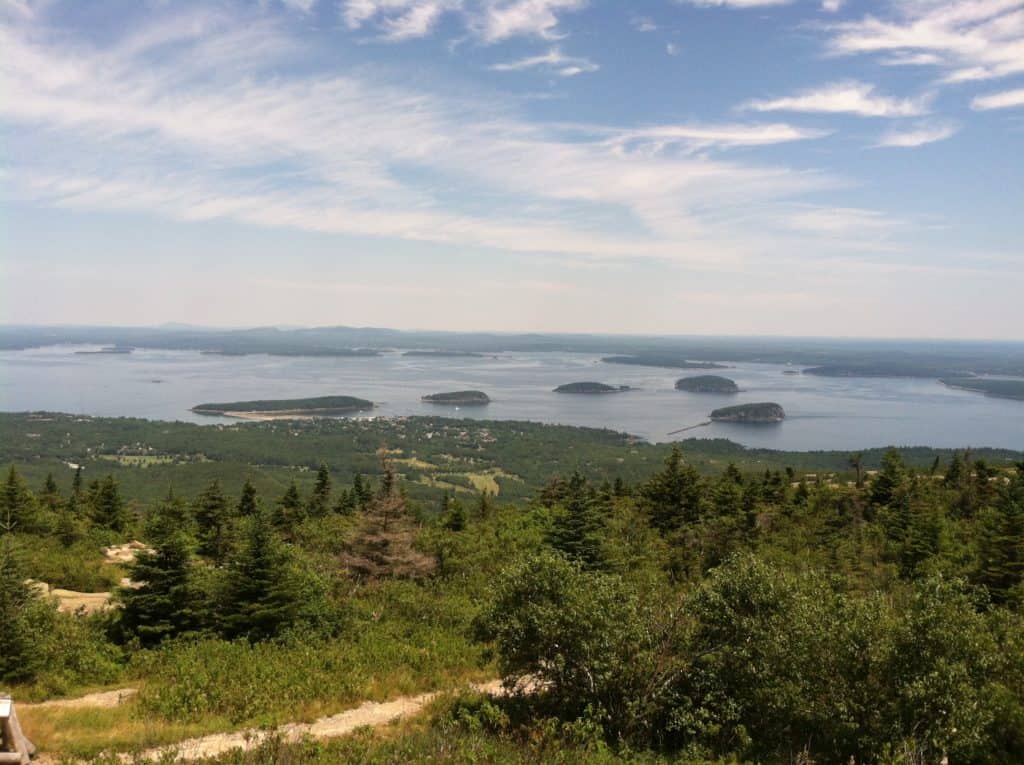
459 398
657 360
761 412
591 388
707 384
322 405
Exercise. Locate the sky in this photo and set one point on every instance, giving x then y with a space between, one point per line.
791 167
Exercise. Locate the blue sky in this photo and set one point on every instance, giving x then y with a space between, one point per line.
660 166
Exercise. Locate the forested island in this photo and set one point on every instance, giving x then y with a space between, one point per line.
591 388
879 369
660 360
707 384
1013 389
459 398
321 406
762 412
446 354
110 349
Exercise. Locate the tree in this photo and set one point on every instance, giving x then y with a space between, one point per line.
320 499
264 593
213 523
164 601
1001 545
50 497
107 508
290 510
672 497
857 463
889 480
247 500
384 544
577 525
18 657
454 516
18 509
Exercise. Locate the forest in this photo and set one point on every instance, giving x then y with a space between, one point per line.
720 612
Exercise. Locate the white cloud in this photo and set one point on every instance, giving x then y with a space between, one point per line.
554 59
917 136
735 3
643 24
970 39
490 21
672 49
857 98
699 137
831 6
1004 100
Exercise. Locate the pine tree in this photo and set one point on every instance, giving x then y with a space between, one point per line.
454 516
107 509
76 483
483 505
1001 544
889 480
50 497
346 504
290 511
578 525
18 657
213 523
262 593
384 544
362 492
672 496
320 499
18 507
247 500
164 601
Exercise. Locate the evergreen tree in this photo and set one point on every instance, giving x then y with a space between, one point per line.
18 509
76 483
346 504
165 602
578 525
247 500
1001 544
18 655
290 511
672 497
362 491
213 523
262 592
50 497
454 517
483 505
107 508
320 499
889 480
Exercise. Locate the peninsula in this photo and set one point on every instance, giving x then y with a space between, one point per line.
322 406
459 398
446 354
707 384
996 388
750 413
591 388
661 360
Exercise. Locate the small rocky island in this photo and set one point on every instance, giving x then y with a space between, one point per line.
322 406
591 388
459 398
763 412
707 384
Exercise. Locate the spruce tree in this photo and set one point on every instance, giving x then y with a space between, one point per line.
578 525
107 508
164 601
346 504
18 657
454 516
18 508
320 499
50 497
672 496
889 480
290 511
213 523
247 500
1001 544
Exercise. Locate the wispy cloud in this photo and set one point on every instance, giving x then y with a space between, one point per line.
489 21
735 3
970 40
858 98
1002 100
643 24
554 59
672 49
831 6
918 135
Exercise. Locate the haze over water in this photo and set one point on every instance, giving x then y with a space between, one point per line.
823 413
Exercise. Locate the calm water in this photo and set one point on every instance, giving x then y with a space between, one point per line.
823 413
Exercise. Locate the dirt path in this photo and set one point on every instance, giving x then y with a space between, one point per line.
369 713
104 699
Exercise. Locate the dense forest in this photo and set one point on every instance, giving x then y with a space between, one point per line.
666 613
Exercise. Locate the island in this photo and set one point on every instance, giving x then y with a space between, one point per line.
110 349
591 388
322 406
661 360
459 398
446 354
879 369
763 412
996 388
707 384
